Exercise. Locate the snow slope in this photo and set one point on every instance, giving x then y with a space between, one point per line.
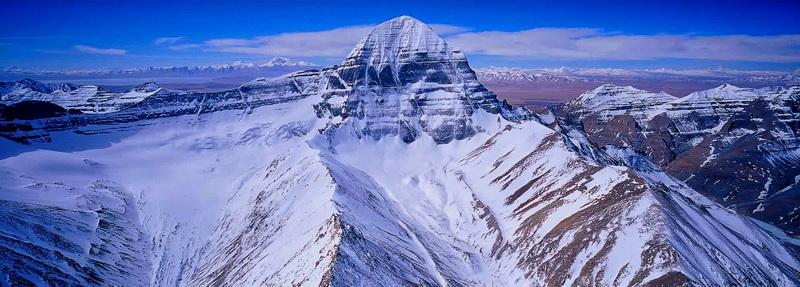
337 178
616 100
738 146
88 99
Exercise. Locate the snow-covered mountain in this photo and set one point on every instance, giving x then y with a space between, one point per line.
740 146
275 67
610 98
501 74
395 168
90 99
608 74
523 86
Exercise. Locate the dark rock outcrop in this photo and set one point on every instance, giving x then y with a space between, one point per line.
738 146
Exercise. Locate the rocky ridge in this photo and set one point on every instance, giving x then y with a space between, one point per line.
396 167
736 145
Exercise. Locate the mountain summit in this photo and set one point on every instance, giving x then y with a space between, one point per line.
403 79
392 53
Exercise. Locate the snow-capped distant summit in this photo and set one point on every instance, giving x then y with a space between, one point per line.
35 85
147 87
274 62
239 70
26 89
520 85
283 61
735 144
611 88
608 96
90 99
509 75
725 92
721 100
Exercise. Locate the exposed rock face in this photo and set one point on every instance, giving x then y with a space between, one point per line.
403 79
396 168
27 89
31 110
165 103
15 119
611 100
87 98
74 236
738 146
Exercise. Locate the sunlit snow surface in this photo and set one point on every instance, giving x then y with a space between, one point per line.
264 198
740 146
266 185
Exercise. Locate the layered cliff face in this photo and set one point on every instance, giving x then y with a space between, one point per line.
342 177
738 146
613 100
88 99
403 79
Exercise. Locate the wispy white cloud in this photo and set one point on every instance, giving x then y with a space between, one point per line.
581 43
99 51
167 40
180 47
330 43
538 43
447 29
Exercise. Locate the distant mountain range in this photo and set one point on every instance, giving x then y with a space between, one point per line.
88 99
234 73
536 86
517 85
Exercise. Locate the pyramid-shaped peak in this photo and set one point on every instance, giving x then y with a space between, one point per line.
727 87
401 51
399 37
147 87
406 24
407 81
405 18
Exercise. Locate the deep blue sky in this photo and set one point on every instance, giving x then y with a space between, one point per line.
50 34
